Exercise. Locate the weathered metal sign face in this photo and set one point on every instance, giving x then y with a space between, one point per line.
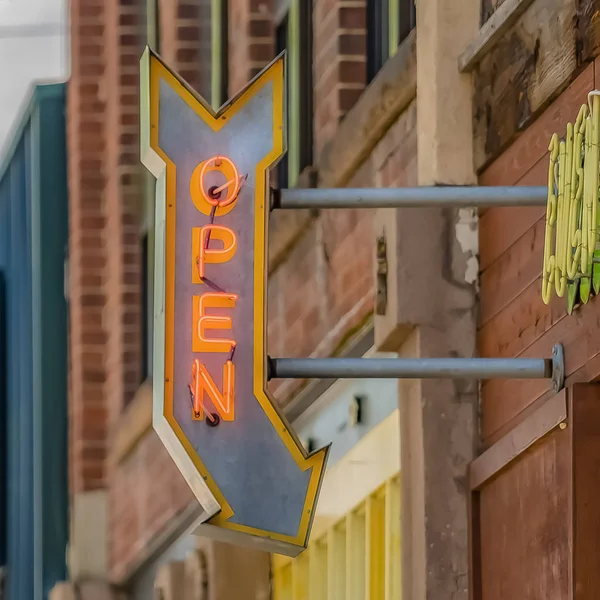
254 480
571 248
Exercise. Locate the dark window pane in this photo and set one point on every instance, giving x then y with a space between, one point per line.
408 18
224 91
377 36
306 86
145 296
281 44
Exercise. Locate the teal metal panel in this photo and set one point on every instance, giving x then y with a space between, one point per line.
33 239
3 430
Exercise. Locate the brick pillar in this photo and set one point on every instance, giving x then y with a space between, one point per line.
86 156
340 71
124 43
251 40
86 119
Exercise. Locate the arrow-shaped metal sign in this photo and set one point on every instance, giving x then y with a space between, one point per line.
254 480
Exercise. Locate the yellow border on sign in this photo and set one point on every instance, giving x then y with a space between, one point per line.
274 73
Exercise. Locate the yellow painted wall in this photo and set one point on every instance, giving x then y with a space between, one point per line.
354 553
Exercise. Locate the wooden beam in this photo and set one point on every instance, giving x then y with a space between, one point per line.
494 28
587 30
546 418
521 73
134 425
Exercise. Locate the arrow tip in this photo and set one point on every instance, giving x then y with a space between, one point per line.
317 461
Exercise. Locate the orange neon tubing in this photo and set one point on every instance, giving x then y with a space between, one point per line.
224 403
199 408
228 396
227 252
215 321
236 181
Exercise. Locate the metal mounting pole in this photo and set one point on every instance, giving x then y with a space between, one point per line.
421 368
418 197
418 368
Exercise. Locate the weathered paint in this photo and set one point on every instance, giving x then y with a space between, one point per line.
33 238
467 236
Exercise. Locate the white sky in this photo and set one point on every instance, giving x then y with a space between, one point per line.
27 56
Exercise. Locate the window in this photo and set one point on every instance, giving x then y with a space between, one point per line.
305 86
281 44
357 558
220 53
406 20
294 34
388 24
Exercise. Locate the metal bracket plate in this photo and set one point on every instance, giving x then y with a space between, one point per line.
558 367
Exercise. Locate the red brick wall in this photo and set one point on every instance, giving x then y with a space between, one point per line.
330 261
185 40
251 41
324 289
321 292
87 151
105 200
145 489
146 492
339 47
339 63
513 319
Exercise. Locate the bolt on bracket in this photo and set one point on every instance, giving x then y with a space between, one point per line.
558 367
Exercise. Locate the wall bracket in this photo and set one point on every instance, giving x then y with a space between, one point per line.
558 367
417 368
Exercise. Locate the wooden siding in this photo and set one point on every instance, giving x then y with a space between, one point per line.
535 526
525 510
513 319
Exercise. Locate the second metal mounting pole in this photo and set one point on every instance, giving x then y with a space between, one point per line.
421 368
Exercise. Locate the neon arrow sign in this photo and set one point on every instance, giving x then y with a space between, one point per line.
255 482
